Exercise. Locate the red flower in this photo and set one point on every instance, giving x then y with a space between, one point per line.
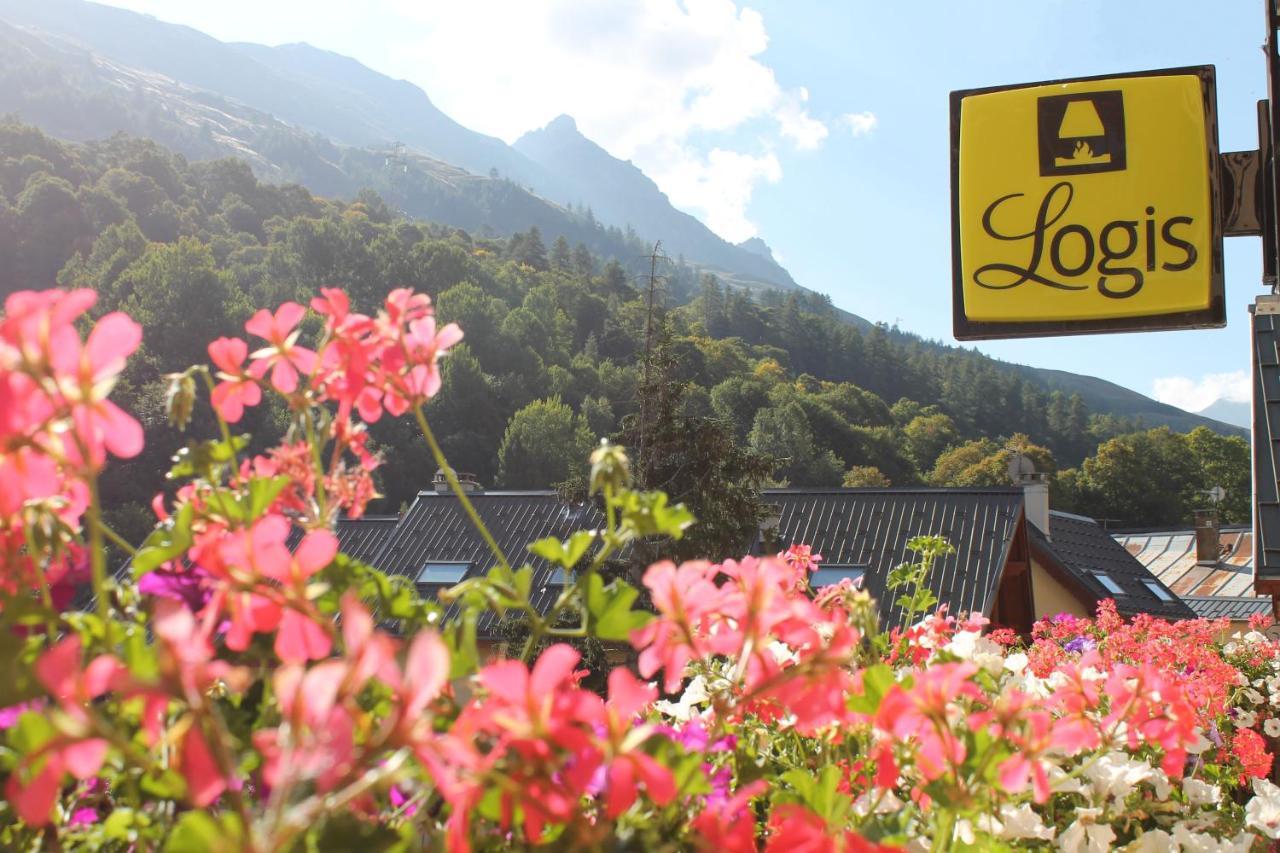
237 388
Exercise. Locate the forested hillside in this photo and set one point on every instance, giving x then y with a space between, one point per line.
554 354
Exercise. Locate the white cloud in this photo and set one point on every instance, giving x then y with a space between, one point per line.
658 82
1194 395
859 124
680 87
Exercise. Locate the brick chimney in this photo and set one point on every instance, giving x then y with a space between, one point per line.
1208 543
469 483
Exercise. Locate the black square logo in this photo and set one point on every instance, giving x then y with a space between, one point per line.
1081 134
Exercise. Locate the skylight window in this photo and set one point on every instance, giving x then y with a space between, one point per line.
1109 583
833 573
442 573
1158 591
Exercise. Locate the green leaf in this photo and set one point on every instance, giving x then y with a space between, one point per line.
460 637
31 732
648 514
139 655
199 458
565 553
262 493
200 832
167 542
17 655
165 785
609 608
876 681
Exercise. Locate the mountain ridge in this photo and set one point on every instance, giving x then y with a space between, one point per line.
204 124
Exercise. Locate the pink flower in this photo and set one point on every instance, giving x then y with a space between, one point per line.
283 357
684 597
237 389
628 764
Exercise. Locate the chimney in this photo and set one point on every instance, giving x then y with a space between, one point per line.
1208 547
1035 490
469 483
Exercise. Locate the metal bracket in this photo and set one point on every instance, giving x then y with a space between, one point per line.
1242 193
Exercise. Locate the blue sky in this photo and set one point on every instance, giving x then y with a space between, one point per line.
820 126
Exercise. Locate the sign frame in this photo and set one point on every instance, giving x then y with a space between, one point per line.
1213 317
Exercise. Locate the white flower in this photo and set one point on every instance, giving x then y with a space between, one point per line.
1151 841
1016 662
1246 719
1061 783
1022 821
1085 836
883 803
782 653
1200 793
1202 743
1117 775
963 832
1256 638
1263 811
694 694
1254 696
1201 842
1271 727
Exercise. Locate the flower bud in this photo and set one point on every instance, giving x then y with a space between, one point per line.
180 398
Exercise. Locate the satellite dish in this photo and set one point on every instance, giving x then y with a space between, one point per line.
1217 494
1020 466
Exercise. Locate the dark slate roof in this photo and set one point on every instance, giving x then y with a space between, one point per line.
1082 548
1228 607
436 529
870 527
1266 446
362 538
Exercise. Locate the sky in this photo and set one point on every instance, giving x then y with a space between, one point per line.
819 126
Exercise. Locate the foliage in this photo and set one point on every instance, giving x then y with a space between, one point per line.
138 225
235 690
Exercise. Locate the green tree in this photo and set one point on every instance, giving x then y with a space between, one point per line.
927 436
1224 461
784 434
865 476
543 446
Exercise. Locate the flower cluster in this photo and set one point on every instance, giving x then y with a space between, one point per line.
248 686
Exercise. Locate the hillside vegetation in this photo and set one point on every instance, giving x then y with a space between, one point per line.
556 344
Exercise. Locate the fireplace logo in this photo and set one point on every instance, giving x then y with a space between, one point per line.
1081 134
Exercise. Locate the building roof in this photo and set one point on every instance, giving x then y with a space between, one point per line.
1266 446
870 527
1080 547
1171 556
1238 608
362 538
435 529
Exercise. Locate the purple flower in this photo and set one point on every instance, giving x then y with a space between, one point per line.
9 716
721 780
190 586
398 799
83 817
1080 645
1215 735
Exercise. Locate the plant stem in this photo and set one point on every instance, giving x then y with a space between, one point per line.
117 539
97 559
458 490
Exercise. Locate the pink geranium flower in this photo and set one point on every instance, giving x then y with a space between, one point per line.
283 357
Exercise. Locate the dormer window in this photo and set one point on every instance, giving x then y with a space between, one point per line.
1158 591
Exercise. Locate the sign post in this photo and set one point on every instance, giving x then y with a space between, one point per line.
1099 204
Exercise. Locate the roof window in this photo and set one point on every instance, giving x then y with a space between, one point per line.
1109 583
1158 591
442 573
833 573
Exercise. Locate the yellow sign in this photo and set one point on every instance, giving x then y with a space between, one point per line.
1086 205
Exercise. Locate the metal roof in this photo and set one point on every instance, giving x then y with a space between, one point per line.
1171 556
436 529
362 538
1081 547
871 527
1228 607
1266 446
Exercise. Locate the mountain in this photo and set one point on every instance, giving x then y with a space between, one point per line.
619 192
1229 411
297 114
